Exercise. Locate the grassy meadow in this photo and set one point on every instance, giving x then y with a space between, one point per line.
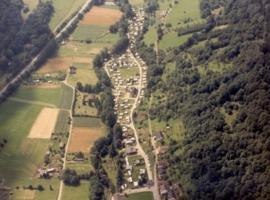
141 196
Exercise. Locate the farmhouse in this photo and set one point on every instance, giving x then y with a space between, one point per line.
158 136
72 69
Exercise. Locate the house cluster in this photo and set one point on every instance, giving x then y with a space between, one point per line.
135 27
127 89
167 190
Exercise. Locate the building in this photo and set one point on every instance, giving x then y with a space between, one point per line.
131 150
158 136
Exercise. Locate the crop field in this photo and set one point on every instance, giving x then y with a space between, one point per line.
84 74
64 9
141 196
87 122
56 97
14 153
44 124
79 192
62 123
82 138
101 16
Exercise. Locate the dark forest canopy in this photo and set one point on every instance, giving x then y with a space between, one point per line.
22 39
219 158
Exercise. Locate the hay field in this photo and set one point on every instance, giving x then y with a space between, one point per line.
44 124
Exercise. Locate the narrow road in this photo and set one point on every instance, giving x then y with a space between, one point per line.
27 69
132 125
69 136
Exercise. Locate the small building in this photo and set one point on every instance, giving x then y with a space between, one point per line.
131 150
158 136
72 70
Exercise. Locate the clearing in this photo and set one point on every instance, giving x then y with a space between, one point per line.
141 196
44 124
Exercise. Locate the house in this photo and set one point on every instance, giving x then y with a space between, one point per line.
163 190
118 196
131 150
158 136
72 70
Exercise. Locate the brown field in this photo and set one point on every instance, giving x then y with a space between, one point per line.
82 139
44 124
61 63
101 16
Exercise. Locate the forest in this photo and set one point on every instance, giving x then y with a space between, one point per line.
22 39
225 152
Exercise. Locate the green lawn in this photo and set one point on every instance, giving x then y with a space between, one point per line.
80 193
141 196
129 72
63 9
31 4
80 168
137 3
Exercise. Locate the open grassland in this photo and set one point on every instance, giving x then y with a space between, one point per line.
141 196
31 4
84 74
63 9
151 36
110 167
80 167
129 72
89 32
59 97
79 192
184 13
51 188
171 40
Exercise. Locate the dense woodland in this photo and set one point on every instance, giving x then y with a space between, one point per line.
22 39
225 152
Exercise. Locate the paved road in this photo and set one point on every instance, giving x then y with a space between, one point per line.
31 65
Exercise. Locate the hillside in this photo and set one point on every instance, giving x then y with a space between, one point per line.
217 84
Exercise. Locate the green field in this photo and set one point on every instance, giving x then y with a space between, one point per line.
63 9
151 36
31 4
87 122
141 196
89 32
58 97
184 13
20 156
173 40
137 3
80 193
84 74
62 124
